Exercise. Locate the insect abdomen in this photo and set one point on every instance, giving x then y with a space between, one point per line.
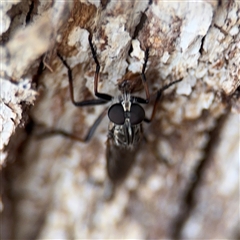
119 161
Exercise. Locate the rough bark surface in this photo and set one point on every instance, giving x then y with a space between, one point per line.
185 179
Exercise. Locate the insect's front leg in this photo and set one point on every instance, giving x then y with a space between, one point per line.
102 96
144 82
143 76
83 103
158 96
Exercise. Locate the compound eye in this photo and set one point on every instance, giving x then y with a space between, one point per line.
116 114
137 114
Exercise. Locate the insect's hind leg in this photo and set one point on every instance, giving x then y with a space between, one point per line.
87 138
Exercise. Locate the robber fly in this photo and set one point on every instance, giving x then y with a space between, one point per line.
126 117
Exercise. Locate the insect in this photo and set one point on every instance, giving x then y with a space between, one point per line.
125 119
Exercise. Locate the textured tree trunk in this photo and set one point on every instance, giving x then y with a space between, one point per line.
184 182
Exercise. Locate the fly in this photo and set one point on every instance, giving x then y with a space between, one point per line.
125 119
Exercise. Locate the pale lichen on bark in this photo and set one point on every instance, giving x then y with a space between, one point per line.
18 54
59 191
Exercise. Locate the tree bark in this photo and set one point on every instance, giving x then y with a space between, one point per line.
185 179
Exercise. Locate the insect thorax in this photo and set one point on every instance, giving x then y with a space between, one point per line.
125 137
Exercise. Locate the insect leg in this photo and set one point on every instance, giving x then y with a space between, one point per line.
144 80
72 136
159 94
70 79
103 96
